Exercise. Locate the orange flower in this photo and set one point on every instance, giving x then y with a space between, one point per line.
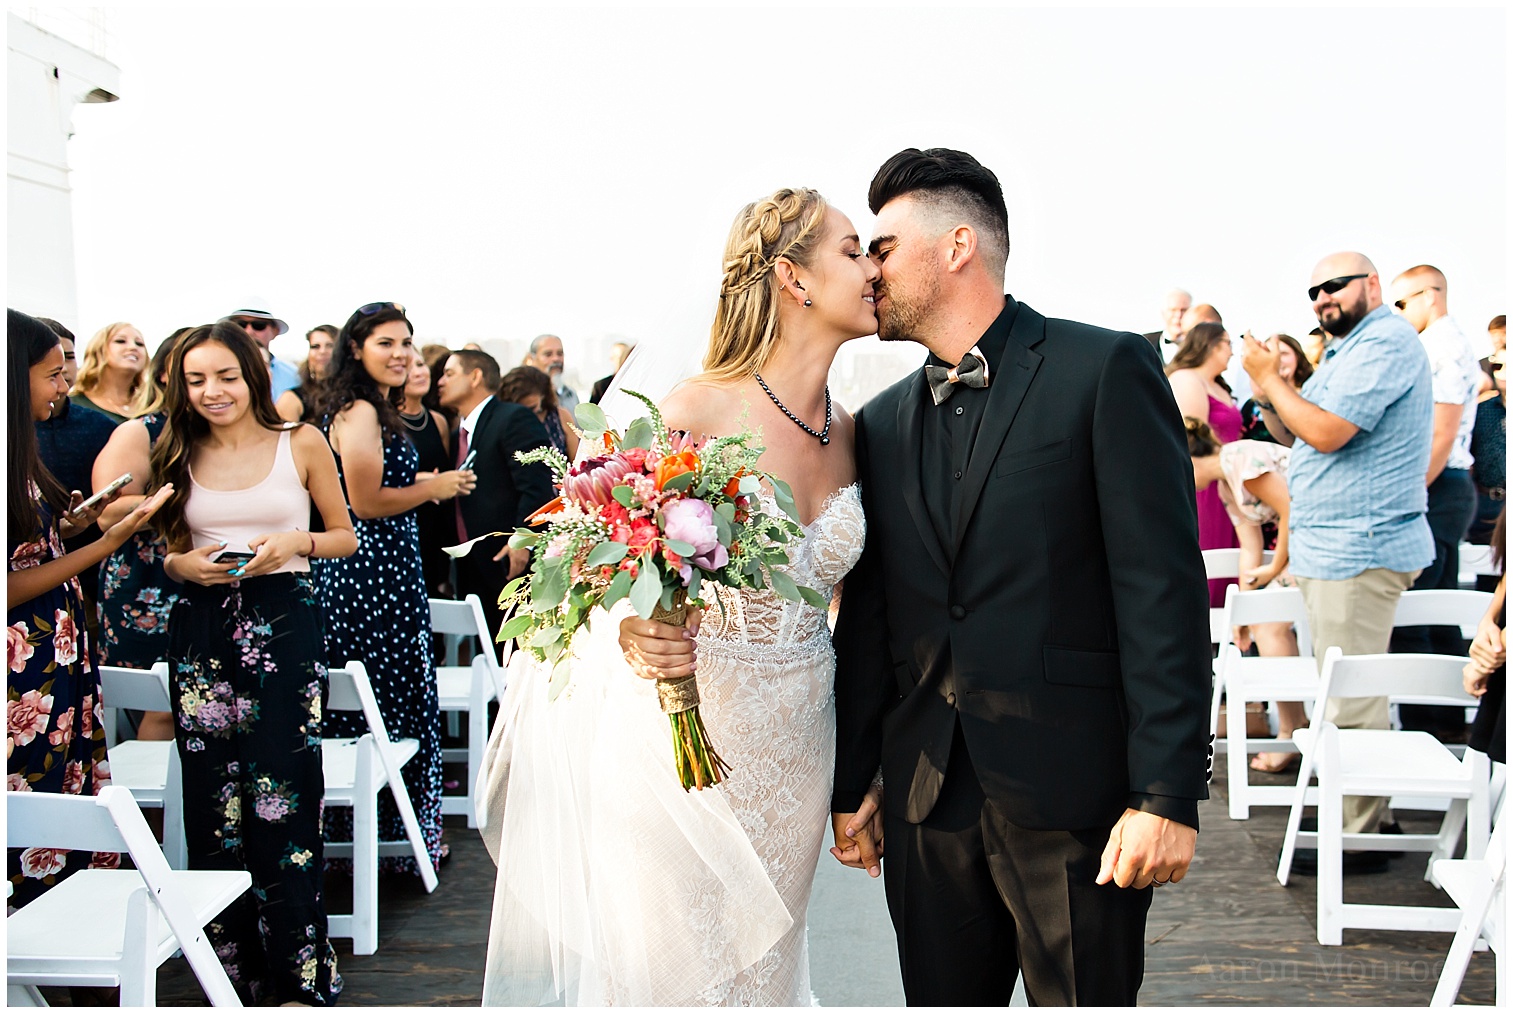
734 485
609 442
675 465
553 506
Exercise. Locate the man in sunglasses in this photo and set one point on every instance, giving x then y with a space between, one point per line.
1359 429
262 327
1419 294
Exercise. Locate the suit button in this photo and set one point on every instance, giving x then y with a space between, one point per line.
958 612
959 410
951 699
958 475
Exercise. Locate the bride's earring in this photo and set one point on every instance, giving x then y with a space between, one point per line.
800 287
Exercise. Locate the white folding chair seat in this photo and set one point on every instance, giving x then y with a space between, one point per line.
149 768
1382 762
466 689
1241 679
133 920
1478 888
356 770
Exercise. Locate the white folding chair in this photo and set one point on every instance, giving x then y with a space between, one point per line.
1381 762
1222 563
1477 886
466 689
1240 679
356 770
112 927
149 768
1475 561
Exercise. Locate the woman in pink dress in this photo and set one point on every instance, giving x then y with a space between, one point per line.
1201 393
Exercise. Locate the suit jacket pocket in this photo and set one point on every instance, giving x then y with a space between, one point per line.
1019 461
1077 668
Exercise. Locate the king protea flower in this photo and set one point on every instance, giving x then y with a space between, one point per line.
591 480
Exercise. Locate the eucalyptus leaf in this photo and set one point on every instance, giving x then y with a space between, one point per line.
723 529
783 585
751 484
680 547
550 584
813 597
726 510
590 417
639 434
522 539
514 627
666 599
560 673
545 637
607 553
679 482
623 495
784 496
647 591
694 580
618 589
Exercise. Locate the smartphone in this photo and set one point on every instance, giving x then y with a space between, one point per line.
467 462
117 483
232 556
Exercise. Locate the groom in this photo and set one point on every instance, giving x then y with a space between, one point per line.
1023 648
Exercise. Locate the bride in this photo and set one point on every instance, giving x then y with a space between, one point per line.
615 886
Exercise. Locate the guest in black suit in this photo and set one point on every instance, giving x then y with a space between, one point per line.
507 492
1023 648
1169 338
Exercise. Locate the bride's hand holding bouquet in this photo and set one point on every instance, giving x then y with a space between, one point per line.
654 518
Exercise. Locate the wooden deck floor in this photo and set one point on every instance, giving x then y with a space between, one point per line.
1229 935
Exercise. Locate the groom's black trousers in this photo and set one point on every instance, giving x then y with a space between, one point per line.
974 899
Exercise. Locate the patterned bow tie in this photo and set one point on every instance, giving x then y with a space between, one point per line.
971 371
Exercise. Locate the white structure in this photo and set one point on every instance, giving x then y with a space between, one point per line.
48 76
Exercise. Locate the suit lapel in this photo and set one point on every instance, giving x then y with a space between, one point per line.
1010 382
911 438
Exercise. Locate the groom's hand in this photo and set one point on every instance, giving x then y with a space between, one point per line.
1144 848
859 836
659 651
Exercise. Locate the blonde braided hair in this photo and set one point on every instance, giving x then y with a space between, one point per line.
784 225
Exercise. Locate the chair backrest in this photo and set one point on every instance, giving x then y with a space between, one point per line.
465 618
351 690
1226 562
1449 607
1268 605
138 689
1419 677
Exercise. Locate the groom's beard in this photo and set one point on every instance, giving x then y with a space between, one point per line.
902 313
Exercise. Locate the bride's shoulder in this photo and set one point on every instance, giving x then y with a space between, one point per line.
703 407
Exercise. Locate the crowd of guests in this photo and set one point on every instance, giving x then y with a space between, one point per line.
1362 457
266 521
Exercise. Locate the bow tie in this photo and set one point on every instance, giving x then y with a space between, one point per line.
971 371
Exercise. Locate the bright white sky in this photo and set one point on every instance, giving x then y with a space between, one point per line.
512 172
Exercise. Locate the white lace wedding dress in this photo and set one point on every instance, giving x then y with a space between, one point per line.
615 887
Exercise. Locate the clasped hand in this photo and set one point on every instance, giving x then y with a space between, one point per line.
859 835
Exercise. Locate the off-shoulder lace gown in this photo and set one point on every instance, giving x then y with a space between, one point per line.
616 887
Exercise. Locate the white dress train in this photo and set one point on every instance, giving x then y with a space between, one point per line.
615 887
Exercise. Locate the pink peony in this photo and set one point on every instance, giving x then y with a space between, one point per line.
39 862
64 733
27 718
692 521
18 648
65 639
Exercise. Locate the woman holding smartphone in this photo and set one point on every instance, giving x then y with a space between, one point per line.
54 742
245 650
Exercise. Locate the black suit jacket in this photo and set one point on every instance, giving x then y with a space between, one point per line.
1067 628
507 491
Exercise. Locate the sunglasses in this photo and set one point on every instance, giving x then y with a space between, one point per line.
1402 304
256 324
369 309
1332 286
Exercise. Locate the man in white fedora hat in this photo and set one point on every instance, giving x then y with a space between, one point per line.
262 326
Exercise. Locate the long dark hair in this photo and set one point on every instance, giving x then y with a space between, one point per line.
524 381
186 427
29 341
1304 368
347 380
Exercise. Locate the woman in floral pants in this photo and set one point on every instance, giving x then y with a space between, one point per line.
245 643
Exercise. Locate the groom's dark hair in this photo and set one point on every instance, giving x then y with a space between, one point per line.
947 176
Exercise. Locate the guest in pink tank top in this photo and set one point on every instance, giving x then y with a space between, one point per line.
1195 375
245 655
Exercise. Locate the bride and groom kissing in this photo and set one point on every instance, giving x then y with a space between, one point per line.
1020 664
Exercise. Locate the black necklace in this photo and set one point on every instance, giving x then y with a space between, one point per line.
411 421
822 435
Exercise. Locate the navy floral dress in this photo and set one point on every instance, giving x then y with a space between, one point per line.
377 613
54 736
136 595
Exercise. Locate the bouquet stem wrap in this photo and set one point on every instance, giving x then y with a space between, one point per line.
697 763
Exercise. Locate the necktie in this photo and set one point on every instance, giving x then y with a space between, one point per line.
462 453
971 371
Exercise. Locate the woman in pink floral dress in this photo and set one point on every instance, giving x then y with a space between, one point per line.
54 742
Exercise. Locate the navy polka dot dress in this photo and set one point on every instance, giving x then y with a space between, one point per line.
377 613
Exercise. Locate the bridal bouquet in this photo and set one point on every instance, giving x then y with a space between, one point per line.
654 518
